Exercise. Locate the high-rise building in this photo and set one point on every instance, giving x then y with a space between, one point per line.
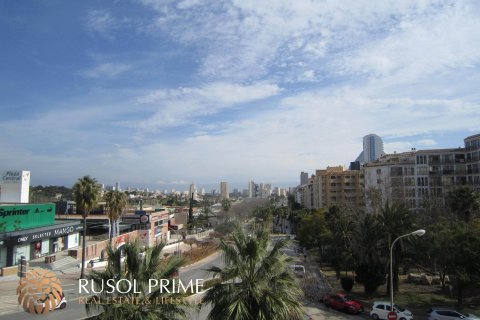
372 148
224 193
303 178
251 189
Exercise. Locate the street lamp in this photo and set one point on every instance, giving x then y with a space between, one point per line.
418 233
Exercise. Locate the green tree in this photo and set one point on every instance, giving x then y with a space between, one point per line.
86 192
367 245
295 216
116 203
256 282
464 261
341 226
395 220
226 206
464 202
140 264
313 231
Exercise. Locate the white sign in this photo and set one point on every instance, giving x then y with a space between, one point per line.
15 186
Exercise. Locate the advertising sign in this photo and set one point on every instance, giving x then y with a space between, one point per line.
19 217
14 186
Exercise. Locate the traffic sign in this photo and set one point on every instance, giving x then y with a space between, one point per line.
392 315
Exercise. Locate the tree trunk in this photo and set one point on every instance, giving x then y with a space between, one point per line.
396 268
110 232
459 295
82 272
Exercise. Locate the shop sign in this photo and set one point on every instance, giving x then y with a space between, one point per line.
19 217
57 232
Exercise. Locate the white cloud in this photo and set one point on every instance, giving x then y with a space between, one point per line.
102 23
422 44
248 38
107 70
178 106
427 142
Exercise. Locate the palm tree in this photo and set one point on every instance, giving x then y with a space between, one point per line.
226 205
86 192
116 202
256 282
142 264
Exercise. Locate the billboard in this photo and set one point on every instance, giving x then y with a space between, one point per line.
25 216
14 186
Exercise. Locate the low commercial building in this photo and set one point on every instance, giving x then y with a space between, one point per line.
30 230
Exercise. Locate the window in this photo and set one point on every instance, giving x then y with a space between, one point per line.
421 159
379 171
396 171
422 181
433 159
422 170
448 158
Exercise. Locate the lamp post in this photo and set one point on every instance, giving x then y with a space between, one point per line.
419 233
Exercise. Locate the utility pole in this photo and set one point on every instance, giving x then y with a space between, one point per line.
190 213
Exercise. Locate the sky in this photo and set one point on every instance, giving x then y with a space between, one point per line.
162 94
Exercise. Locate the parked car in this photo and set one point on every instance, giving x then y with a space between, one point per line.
449 314
344 302
380 310
298 270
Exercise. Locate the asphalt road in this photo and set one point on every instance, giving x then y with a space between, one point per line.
76 310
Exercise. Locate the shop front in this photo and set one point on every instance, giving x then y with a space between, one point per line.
35 243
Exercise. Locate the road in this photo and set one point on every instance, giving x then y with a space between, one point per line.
76 310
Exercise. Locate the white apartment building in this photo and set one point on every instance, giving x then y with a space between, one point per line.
420 175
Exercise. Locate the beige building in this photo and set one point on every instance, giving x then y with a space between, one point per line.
332 186
338 186
224 193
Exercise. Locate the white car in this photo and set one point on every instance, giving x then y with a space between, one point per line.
380 310
298 270
449 314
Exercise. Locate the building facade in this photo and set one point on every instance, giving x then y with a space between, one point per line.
332 186
420 177
224 192
372 150
31 230
303 178
337 186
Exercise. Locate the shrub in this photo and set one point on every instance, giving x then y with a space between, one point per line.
347 283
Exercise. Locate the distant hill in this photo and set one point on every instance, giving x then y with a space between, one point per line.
50 193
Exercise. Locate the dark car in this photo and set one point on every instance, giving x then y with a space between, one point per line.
344 302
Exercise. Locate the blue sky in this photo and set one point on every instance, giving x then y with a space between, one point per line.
166 93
